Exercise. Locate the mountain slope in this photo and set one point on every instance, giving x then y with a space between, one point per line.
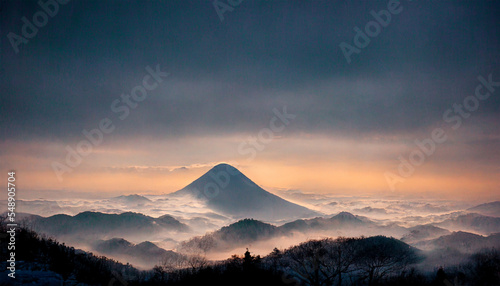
464 242
343 220
472 222
488 209
249 231
227 190
44 261
101 225
144 254
131 200
423 232
236 234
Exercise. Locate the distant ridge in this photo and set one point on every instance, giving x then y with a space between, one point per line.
98 224
225 189
139 254
472 222
488 209
131 199
247 231
463 241
340 220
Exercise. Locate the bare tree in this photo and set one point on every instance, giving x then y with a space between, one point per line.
198 243
311 263
342 256
376 257
172 262
207 244
196 262
169 266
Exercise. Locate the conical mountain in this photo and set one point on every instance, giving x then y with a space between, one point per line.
226 190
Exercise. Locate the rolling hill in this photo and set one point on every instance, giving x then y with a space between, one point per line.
97 225
144 254
238 233
488 209
472 223
461 241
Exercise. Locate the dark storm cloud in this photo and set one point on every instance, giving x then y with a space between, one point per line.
228 76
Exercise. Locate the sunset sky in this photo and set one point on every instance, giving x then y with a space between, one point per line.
229 83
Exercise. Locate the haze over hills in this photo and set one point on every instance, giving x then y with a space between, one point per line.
239 233
472 222
131 200
455 247
95 225
142 240
249 231
145 254
225 189
405 212
423 232
223 212
488 209
343 219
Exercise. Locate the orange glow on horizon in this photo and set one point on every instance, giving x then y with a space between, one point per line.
318 165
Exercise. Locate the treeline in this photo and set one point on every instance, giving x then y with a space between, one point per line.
378 261
245 270
35 253
342 261
375 260
351 261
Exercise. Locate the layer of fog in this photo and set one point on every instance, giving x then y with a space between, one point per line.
201 219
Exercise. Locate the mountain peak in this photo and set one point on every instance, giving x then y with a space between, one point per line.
131 198
345 215
225 189
224 167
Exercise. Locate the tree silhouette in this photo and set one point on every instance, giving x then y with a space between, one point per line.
376 257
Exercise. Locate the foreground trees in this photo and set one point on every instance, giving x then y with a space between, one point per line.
377 257
40 258
483 267
341 261
320 262
361 260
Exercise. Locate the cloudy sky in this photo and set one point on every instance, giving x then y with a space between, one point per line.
263 85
